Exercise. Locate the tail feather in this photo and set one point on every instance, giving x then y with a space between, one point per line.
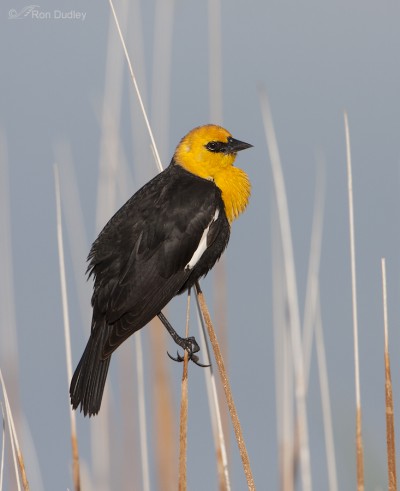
87 384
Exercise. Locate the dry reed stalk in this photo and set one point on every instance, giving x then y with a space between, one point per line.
288 441
359 451
16 449
9 353
67 331
326 403
313 323
283 364
227 389
222 468
76 473
390 433
312 289
144 454
184 410
292 296
215 410
75 231
220 302
183 426
3 443
22 470
359 440
164 411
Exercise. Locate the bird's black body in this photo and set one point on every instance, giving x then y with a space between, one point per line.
140 262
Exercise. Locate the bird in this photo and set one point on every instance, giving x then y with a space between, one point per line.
167 236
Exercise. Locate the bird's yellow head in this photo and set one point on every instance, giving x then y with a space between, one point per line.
209 152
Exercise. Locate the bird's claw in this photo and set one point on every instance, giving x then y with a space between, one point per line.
195 359
178 358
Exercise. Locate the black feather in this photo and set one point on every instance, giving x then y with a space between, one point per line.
138 264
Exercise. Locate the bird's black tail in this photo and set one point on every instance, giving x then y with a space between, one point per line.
87 384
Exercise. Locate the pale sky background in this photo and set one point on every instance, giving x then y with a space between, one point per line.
314 59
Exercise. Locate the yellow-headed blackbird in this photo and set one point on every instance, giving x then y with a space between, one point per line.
162 240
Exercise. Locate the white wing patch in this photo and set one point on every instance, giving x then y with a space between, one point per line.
202 244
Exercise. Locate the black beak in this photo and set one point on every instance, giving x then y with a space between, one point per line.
234 146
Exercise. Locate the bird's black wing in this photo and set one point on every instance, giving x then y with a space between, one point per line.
141 258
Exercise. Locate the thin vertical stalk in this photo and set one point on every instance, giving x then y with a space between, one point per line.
74 227
227 389
67 331
390 433
166 446
359 441
142 413
16 450
184 410
283 364
292 296
312 289
9 354
325 400
183 427
214 408
313 323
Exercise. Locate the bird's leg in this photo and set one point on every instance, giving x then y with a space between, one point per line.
188 344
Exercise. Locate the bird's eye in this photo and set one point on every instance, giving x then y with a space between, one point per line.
215 146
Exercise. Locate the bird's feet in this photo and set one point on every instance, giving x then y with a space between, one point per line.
190 345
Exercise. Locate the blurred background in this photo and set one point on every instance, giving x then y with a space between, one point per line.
66 97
